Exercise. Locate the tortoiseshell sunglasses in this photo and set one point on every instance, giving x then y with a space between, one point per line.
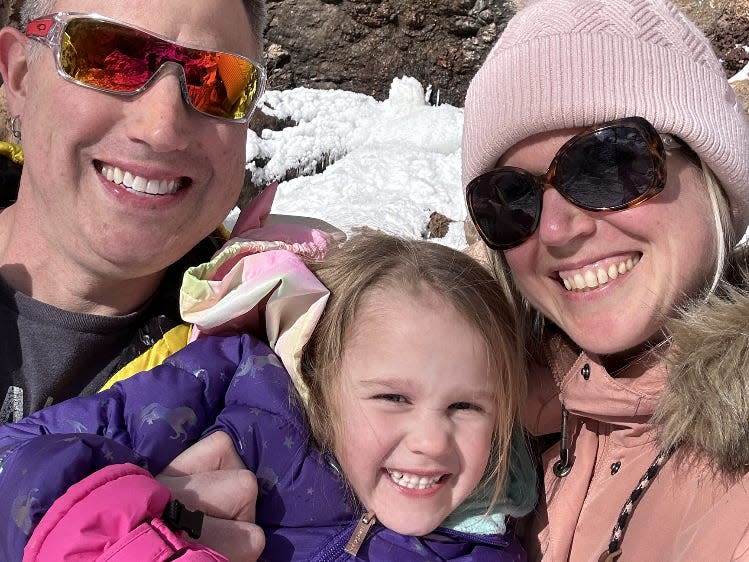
610 167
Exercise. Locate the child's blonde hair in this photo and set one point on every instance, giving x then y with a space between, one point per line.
370 261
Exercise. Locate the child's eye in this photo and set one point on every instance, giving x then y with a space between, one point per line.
396 398
466 406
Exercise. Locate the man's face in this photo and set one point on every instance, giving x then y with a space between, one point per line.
83 148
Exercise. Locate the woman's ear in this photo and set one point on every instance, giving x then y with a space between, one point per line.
14 68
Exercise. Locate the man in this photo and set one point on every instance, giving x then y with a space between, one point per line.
133 130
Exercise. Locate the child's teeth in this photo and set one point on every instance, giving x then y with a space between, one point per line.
413 481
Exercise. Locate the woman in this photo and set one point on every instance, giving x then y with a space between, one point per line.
606 165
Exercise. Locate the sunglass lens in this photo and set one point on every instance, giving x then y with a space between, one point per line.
505 206
105 55
221 84
607 169
118 58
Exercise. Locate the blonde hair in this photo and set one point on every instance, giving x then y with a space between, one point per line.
725 236
374 261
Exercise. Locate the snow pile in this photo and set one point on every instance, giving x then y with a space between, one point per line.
387 165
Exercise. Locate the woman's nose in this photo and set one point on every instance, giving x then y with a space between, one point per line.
562 222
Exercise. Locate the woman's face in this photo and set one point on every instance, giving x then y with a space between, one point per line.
610 279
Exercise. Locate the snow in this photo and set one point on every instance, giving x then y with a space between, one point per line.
390 164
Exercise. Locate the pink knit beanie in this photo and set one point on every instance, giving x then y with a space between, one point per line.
571 63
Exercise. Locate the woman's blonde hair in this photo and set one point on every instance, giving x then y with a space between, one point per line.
373 261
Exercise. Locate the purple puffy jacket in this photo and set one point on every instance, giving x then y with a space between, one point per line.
230 383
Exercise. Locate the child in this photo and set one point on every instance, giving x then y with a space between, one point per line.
394 442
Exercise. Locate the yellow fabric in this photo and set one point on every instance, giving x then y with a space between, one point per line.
222 232
174 340
12 151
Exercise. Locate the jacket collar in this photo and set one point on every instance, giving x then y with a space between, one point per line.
586 388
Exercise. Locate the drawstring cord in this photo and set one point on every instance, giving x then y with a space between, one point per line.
563 466
614 551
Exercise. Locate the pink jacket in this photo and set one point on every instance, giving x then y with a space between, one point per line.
694 509
76 529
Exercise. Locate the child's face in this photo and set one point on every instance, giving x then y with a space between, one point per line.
417 409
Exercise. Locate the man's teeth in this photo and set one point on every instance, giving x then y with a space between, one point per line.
592 278
413 481
138 183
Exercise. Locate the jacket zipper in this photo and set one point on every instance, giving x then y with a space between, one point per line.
336 552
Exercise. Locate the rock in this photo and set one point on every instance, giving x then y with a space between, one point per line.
470 231
5 134
742 89
361 45
438 225
726 23
479 252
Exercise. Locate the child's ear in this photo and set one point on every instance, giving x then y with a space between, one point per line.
14 68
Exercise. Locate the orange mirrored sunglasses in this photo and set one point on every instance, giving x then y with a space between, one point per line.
118 58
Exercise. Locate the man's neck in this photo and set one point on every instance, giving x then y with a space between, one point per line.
30 266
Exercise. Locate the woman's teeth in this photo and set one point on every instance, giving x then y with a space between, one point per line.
597 276
138 183
413 481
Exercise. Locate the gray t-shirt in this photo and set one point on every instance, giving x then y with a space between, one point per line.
48 354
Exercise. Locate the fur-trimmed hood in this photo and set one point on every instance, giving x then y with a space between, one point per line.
705 407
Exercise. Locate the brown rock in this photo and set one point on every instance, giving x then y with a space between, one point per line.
742 90
438 225
5 134
470 232
361 45
479 252
726 23
9 11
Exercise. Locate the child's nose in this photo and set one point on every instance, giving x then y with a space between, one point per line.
430 436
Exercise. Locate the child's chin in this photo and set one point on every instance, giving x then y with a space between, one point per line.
408 526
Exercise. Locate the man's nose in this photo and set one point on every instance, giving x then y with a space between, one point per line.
159 116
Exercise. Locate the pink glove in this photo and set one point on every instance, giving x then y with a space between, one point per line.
113 515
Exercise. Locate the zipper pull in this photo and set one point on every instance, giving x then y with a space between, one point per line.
360 533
